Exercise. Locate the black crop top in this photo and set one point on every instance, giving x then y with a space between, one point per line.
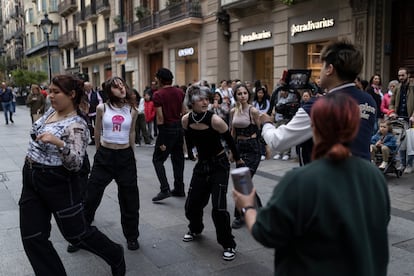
207 141
249 130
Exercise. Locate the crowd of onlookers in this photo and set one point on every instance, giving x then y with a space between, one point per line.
308 219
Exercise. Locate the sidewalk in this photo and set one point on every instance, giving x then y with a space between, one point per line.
163 225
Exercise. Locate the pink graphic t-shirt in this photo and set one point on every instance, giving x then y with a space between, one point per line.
116 124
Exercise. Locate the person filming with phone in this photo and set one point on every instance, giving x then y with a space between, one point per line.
321 219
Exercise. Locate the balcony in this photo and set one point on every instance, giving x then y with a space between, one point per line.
69 40
103 7
90 12
80 18
172 14
67 7
18 33
241 8
101 46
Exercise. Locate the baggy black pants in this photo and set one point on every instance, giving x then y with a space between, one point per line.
210 177
118 165
173 138
250 153
55 191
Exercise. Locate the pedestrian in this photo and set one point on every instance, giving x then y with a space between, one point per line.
6 97
204 130
341 64
51 184
245 124
36 102
309 220
149 111
140 125
94 99
168 102
402 105
115 159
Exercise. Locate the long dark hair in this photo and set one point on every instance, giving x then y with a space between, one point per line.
69 83
112 99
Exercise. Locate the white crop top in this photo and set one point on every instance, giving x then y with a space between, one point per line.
116 124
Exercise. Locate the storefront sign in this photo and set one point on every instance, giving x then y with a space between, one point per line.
186 52
310 26
319 26
255 36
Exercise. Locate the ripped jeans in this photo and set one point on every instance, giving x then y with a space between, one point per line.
210 177
55 191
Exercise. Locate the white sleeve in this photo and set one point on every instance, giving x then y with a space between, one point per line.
297 131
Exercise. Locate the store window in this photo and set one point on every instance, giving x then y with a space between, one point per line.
314 58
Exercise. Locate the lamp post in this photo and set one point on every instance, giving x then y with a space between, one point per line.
46 24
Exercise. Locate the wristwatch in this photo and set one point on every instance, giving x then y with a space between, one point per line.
244 209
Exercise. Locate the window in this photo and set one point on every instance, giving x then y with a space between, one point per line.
67 53
29 15
107 31
314 54
95 33
53 5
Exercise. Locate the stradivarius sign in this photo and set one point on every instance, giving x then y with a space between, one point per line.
312 25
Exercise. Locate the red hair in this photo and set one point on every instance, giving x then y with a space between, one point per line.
335 120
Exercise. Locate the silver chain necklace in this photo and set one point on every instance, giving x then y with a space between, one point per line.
198 121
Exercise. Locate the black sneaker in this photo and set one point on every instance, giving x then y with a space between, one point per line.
177 193
237 223
72 248
189 236
161 196
133 245
229 254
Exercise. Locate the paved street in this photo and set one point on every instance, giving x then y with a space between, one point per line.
162 225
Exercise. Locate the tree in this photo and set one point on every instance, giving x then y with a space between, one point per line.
23 78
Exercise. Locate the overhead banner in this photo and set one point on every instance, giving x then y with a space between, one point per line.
121 47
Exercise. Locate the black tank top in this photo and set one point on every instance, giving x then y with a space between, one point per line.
207 141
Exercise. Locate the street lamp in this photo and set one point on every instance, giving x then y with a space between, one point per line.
46 24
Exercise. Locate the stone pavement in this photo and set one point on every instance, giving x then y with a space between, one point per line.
163 225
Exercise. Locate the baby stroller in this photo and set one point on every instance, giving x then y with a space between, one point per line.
399 127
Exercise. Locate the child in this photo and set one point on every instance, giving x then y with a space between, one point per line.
149 110
383 141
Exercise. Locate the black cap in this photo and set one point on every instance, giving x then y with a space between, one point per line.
164 74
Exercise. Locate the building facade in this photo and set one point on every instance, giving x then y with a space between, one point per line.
36 46
205 39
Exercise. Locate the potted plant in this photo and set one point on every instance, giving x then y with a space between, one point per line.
117 20
142 12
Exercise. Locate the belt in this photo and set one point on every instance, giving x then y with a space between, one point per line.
33 164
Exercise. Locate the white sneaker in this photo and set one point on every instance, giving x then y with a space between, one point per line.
285 157
262 158
229 254
383 165
408 170
277 157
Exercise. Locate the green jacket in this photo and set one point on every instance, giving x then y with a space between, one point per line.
395 99
328 219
